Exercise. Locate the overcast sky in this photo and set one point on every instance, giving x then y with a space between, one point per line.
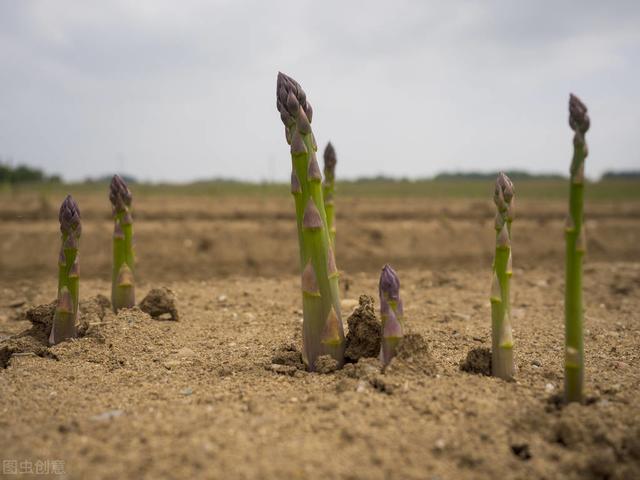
180 90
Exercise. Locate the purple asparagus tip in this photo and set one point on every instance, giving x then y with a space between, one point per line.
69 216
119 194
504 190
289 98
389 284
330 159
391 313
578 117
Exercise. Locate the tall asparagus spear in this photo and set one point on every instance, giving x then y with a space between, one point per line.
66 313
122 280
322 331
575 249
391 313
328 188
501 336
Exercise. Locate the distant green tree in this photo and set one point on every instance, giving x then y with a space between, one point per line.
621 175
24 174
513 174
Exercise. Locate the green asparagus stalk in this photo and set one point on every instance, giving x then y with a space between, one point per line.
391 314
502 365
66 313
328 189
575 250
122 280
322 331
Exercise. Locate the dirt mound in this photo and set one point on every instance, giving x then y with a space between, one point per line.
326 364
478 361
592 444
160 303
412 355
287 360
35 341
364 335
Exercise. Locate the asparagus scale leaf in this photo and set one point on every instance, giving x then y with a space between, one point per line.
122 280
66 312
328 188
322 330
502 365
575 250
391 314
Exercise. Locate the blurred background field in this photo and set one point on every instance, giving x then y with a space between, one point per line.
212 228
461 187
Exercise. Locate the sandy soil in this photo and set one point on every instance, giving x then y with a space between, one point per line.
202 398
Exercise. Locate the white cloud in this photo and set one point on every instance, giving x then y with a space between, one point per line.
179 90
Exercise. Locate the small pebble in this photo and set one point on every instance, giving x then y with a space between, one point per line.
440 444
186 391
549 387
536 363
108 415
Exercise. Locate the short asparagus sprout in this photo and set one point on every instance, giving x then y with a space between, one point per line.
122 280
391 314
66 312
322 331
502 365
575 250
328 188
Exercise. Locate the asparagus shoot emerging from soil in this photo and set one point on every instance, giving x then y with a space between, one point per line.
390 313
328 188
122 281
66 313
501 336
575 249
322 332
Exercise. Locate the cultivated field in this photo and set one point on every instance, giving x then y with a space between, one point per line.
218 394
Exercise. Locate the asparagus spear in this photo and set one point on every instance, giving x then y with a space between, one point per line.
66 313
122 280
575 249
322 331
502 339
328 188
391 313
